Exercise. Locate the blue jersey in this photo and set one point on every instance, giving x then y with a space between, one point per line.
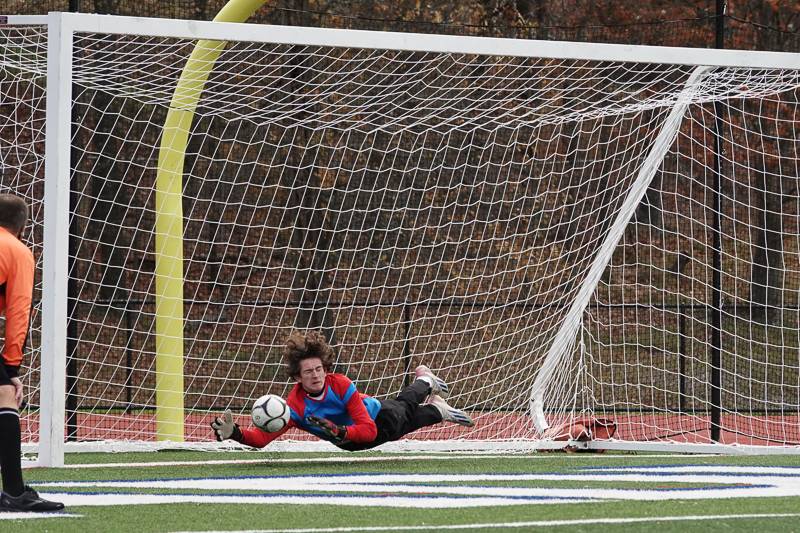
339 398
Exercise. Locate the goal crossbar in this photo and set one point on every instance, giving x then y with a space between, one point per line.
414 42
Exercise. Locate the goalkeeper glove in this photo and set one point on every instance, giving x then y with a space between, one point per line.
226 428
333 432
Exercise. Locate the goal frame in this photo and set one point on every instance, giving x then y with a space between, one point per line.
61 28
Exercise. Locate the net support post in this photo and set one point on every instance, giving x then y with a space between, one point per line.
56 241
564 339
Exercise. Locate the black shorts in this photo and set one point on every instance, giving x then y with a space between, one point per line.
6 373
401 416
4 379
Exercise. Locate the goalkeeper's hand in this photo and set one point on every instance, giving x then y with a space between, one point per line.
225 428
333 432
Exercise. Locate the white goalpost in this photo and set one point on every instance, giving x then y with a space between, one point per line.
564 232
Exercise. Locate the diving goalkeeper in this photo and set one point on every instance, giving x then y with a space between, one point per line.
328 405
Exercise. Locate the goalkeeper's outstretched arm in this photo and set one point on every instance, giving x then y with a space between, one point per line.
226 429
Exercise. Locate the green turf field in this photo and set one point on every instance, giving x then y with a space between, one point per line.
246 491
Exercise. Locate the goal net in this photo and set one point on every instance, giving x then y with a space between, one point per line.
560 231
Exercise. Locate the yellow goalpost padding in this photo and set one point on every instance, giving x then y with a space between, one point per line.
169 224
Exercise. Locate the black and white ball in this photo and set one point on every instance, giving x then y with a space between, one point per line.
270 413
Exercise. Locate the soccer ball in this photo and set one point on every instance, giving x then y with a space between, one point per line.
270 413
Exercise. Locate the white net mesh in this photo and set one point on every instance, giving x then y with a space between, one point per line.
23 63
435 208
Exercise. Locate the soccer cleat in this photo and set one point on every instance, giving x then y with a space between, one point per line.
451 414
438 386
28 501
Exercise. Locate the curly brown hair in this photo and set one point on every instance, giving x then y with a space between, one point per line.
305 345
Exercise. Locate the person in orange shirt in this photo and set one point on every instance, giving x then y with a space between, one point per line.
16 292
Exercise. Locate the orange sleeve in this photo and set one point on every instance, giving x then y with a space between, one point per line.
18 297
258 439
363 428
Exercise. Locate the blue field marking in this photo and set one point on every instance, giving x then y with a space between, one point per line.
654 471
684 465
702 473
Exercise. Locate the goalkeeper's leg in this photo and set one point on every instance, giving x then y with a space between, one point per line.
397 419
415 394
416 416
438 386
405 413
450 413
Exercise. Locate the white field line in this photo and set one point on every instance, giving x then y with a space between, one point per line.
25 516
537 523
304 460
711 474
267 460
348 459
444 490
432 497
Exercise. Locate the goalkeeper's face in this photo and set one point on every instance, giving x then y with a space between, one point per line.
312 375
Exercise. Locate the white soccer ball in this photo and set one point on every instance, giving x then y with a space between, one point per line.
270 413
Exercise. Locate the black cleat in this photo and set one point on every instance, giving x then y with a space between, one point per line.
27 502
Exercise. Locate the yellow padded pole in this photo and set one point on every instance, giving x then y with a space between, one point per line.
169 224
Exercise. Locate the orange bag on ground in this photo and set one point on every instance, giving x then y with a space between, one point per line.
586 429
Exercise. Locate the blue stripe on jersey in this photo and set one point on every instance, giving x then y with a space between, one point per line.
373 406
348 393
295 417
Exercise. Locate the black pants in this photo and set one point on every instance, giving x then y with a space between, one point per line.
401 416
5 379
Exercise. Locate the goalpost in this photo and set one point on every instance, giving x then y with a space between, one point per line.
169 224
562 231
